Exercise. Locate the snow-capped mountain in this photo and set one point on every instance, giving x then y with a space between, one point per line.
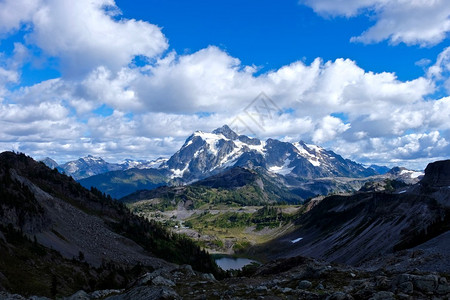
205 154
405 175
87 166
90 165
142 164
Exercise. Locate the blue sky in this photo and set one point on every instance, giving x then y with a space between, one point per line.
273 34
367 79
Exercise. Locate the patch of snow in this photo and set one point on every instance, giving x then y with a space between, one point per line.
197 152
401 192
416 174
412 174
301 149
72 167
296 240
92 158
314 147
315 163
258 148
187 144
282 170
157 162
178 172
231 158
211 139
313 159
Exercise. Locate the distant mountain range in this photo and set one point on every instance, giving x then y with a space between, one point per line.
304 168
90 166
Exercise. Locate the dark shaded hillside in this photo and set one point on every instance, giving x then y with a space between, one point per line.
232 178
235 186
57 212
358 228
29 268
121 183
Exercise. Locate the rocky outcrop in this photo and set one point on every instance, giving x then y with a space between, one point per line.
294 278
437 174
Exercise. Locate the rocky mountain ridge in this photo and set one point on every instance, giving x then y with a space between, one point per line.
366 226
88 166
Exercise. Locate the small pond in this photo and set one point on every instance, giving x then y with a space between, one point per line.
233 263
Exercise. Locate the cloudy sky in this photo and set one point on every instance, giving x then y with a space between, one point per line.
368 79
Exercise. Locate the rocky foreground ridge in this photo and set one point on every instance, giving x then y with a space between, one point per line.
294 278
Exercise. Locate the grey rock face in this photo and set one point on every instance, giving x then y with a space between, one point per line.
406 287
383 295
437 174
227 132
159 280
339 296
304 284
80 295
426 283
147 292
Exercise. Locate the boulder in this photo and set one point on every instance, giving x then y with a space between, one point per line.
147 292
339 296
406 287
304 284
383 295
427 283
159 280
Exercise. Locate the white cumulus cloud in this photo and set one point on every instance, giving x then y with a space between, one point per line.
413 22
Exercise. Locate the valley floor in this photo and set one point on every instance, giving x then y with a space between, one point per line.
221 229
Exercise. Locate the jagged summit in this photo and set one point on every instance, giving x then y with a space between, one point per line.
207 153
87 166
91 165
227 132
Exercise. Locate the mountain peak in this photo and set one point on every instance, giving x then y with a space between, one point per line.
437 174
227 132
50 162
91 157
